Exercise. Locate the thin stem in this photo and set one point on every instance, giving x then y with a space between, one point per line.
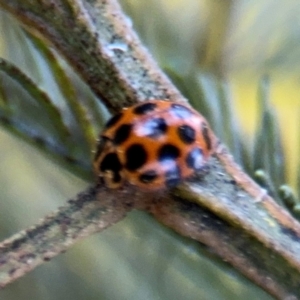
68 91
92 211
99 42
54 150
38 95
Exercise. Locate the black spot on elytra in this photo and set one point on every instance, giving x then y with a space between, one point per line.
173 176
187 134
117 177
122 134
205 134
136 157
155 127
114 120
148 176
194 159
144 108
181 111
111 162
168 152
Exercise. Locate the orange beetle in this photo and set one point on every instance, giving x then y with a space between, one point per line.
152 145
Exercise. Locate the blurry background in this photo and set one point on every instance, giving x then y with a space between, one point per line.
234 41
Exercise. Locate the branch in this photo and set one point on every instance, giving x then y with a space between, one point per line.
90 212
223 208
229 212
98 41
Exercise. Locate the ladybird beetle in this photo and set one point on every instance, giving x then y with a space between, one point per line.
153 145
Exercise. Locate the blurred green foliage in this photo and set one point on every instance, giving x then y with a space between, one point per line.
217 52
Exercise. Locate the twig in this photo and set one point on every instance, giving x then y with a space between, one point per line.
98 41
92 211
